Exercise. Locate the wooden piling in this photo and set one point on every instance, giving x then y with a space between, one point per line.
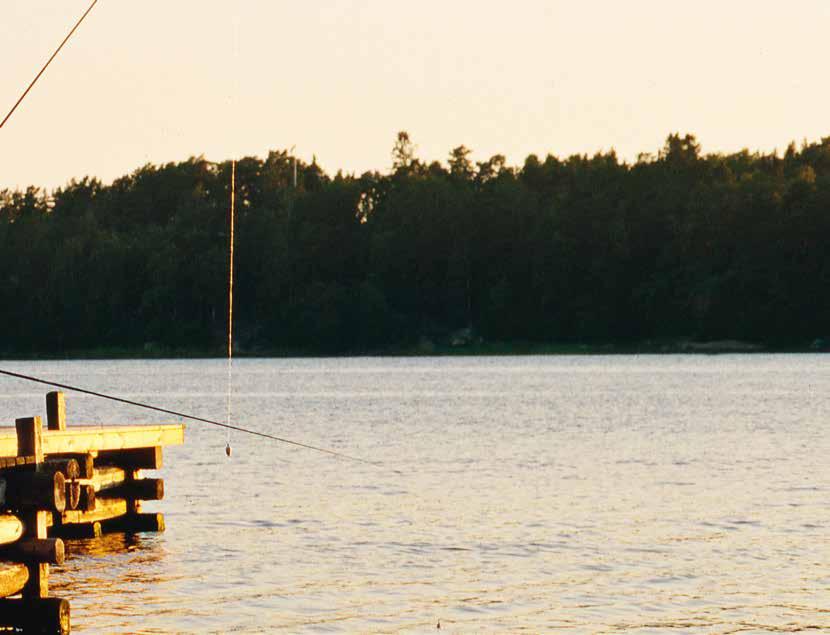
73 494
11 529
66 466
13 578
32 550
35 490
86 464
30 442
41 616
143 489
78 531
134 459
87 499
56 411
72 483
135 523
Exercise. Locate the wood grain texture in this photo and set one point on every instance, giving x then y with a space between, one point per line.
13 578
83 439
46 615
11 529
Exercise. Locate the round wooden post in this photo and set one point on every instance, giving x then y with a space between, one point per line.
47 615
30 443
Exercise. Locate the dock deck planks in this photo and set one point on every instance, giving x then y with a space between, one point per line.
82 439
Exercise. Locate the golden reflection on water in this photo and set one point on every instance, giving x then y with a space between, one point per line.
584 495
104 579
114 544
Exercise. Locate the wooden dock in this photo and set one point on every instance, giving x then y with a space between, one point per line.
58 483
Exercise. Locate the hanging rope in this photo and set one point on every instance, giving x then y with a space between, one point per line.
230 303
45 66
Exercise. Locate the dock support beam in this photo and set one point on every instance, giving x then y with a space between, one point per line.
36 612
42 616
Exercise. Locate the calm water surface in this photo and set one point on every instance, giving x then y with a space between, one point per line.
535 494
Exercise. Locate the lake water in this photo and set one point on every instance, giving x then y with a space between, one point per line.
622 494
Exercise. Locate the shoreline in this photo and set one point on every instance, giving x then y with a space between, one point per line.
431 349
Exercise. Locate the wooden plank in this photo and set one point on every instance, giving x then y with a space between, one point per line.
85 463
137 459
106 477
83 439
35 491
13 578
66 466
104 510
31 550
47 615
56 411
135 523
11 529
80 532
142 489
8 462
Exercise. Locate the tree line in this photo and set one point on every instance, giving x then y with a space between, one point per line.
584 249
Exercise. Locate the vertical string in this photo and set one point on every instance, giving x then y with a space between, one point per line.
230 301
230 264
232 224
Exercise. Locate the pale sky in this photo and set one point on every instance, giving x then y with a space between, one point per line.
161 80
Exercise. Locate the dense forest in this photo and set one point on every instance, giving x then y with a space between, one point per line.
588 249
